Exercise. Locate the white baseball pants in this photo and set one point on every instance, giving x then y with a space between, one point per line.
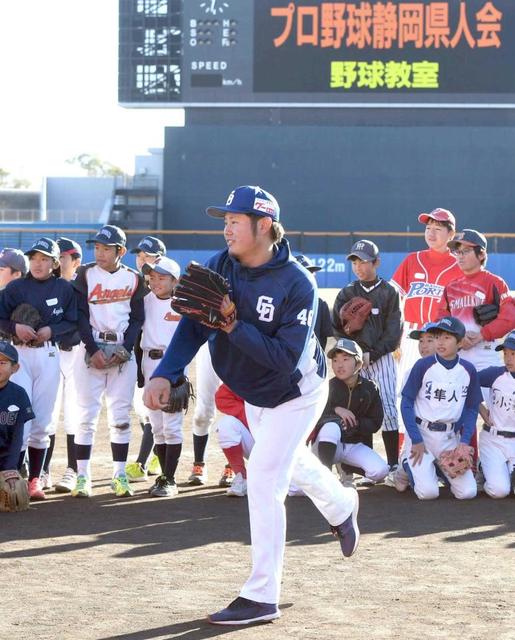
384 373
207 383
166 427
66 394
232 432
497 455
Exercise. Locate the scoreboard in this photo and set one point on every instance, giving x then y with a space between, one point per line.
309 53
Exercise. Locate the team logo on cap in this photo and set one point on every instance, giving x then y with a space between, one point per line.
145 243
230 199
42 243
105 232
446 322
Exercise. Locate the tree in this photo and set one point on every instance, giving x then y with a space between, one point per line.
94 166
7 181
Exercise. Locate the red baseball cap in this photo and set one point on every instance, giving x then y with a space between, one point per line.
441 215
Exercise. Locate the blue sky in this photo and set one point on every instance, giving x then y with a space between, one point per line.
58 79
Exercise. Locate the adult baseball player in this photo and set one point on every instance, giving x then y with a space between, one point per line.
420 279
497 438
111 313
269 356
54 301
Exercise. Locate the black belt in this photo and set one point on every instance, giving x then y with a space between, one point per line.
504 434
62 348
433 426
155 354
108 336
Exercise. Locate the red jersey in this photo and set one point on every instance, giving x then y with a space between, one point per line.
420 279
463 294
229 403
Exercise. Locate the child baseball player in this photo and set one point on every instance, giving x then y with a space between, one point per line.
111 313
352 414
268 355
378 338
39 374
159 326
440 402
497 438
323 328
13 265
70 258
15 409
148 251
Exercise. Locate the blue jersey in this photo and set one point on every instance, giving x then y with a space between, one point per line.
439 390
54 298
15 411
270 354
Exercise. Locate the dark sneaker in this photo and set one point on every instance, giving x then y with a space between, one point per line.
198 474
347 532
163 488
243 611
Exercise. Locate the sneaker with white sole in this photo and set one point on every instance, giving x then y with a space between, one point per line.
348 532
46 481
198 474
363 481
401 478
163 488
67 483
227 476
36 489
238 487
83 488
346 479
244 611
154 466
136 472
390 478
121 487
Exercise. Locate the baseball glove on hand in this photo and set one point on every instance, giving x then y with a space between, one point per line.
203 295
180 394
14 494
455 462
26 314
354 314
485 313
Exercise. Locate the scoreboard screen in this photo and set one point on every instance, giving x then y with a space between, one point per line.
309 53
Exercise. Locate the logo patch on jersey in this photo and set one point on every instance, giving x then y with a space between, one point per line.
265 308
464 302
425 290
170 317
9 417
105 296
260 204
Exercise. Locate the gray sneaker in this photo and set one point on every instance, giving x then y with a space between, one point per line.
163 488
67 483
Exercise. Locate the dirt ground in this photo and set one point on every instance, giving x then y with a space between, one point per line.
148 569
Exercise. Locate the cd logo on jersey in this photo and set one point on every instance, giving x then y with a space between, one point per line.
425 290
265 308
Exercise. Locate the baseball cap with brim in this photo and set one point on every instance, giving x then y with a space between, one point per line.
344 345
14 259
451 325
470 238
9 351
250 200
150 245
440 215
365 250
307 263
110 236
416 333
67 246
165 266
46 246
509 342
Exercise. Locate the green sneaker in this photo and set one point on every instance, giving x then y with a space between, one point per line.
154 468
82 488
121 487
135 472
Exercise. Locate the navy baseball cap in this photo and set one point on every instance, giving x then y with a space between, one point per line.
451 325
46 246
440 215
346 346
152 246
307 263
416 333
110 236
7 349
165 266
509 342
69 246
365 250
15 259
470 238
250 200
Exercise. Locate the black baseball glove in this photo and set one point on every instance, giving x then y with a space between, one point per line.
180 394
485 313
25 313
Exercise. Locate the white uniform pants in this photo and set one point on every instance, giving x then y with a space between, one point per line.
206 387
279 456
497 455
139 408
66 394
117 383
39 375
358 454
424 474
409 355
166 427
384 373
232 432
